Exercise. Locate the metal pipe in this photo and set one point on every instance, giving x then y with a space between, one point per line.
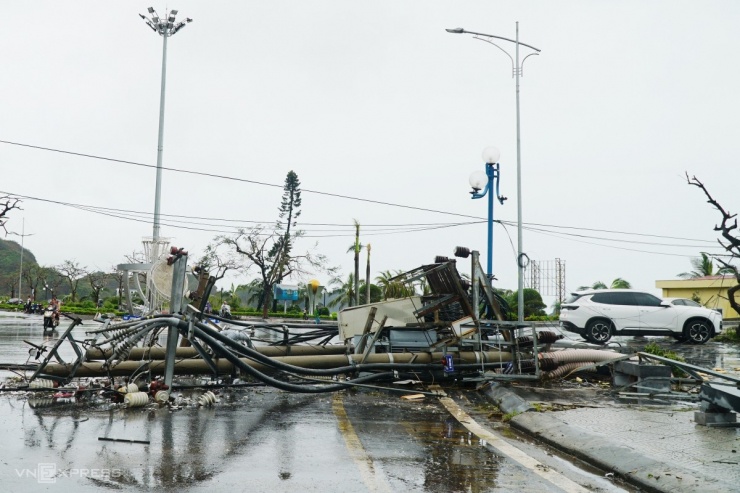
156 353
199 367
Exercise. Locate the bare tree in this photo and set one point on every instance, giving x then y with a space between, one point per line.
54 280
731 243
7 204
72 272
119 277
97 281
271 262
11 280
217 262
33 274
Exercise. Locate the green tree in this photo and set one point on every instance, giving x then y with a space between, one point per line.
288 213
533 304
376 294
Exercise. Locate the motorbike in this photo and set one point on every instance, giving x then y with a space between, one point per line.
51 319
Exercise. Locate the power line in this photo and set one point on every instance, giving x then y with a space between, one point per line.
411 227
652 243
612 231
138 215
242 180
560 235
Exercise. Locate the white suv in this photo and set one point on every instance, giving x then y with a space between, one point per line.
597 315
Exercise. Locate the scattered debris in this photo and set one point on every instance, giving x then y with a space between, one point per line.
412 397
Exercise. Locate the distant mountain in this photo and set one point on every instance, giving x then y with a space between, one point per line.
10 263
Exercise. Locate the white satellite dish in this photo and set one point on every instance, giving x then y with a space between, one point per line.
159 282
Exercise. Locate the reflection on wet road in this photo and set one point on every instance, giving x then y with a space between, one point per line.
275 441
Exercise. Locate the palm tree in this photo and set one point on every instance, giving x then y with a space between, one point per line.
256 293
346 291
393 289
357 247
367 274
617 283
620 283
703 267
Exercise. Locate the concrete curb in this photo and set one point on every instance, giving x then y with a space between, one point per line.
626 462
506 399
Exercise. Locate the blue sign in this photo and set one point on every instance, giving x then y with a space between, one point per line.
285 292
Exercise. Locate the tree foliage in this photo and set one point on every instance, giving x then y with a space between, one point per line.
533 304
702 267
617 283
392 288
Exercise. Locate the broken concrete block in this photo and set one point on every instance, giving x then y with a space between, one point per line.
706 418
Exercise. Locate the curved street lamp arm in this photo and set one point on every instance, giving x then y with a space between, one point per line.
480 195
497 46
500 37
521 65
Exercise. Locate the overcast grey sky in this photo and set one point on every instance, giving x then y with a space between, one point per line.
376 100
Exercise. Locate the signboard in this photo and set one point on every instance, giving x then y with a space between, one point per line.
285 292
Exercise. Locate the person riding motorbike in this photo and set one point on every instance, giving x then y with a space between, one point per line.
225 311
56 305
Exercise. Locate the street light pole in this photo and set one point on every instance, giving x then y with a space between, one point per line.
488 182
521 259
20 271
165 28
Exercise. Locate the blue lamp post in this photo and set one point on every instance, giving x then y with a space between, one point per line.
486 181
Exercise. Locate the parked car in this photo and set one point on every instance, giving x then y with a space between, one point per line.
687 302
15 301
597 315
682 302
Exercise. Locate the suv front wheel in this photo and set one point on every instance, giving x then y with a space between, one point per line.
697 331
599 331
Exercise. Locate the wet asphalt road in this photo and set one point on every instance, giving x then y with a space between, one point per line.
260 439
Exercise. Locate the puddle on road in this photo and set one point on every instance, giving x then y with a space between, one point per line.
421 446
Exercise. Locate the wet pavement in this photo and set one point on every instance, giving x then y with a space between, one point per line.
262 439
654 444
257 438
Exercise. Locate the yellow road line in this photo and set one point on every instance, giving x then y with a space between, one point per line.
373 480
505 448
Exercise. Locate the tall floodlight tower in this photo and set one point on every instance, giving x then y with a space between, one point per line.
165 27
